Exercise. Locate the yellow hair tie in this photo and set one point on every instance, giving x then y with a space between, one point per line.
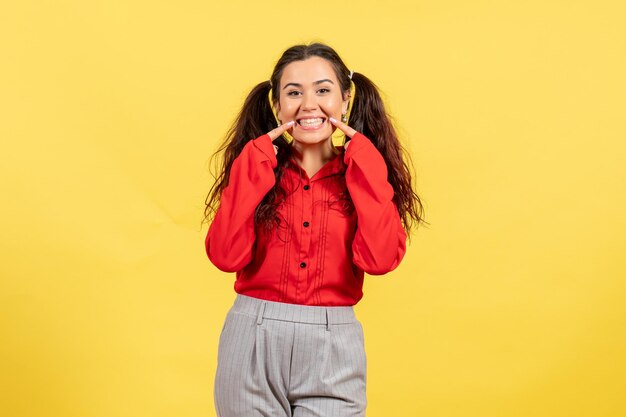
285 134
338 135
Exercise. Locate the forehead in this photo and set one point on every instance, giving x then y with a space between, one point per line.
308 71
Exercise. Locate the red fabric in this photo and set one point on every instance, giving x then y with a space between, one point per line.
321 262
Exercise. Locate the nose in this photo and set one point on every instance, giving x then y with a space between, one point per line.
309 102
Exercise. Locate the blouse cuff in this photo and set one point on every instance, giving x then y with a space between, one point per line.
358 142
266 146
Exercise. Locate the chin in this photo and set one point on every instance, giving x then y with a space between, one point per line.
310 140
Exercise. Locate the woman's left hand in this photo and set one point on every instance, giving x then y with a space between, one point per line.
344 128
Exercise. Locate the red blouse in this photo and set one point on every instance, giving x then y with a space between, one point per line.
322 247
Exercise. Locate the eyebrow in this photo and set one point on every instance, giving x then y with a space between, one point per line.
315 83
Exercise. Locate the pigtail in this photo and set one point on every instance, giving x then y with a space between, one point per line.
254 119
368 116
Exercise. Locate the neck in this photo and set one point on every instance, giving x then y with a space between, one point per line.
312 157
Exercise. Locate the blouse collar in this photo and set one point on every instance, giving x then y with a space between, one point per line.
332 167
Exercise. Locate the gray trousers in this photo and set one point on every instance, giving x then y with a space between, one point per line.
278 359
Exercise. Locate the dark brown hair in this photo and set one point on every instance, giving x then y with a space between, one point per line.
367 116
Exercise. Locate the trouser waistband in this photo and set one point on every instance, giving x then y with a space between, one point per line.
298 313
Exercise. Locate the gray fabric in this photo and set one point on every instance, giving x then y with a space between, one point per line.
278 359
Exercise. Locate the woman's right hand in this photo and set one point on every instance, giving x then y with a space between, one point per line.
275 133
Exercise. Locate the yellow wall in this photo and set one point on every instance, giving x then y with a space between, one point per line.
511 304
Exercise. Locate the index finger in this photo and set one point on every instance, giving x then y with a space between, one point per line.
280 129
343 127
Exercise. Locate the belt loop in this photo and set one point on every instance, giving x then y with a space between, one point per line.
327 320
259 318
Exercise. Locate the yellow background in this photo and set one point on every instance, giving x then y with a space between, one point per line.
511 304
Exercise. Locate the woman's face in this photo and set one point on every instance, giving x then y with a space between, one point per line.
309 94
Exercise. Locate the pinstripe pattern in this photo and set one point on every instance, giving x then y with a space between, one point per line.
284 273
319 276
278 359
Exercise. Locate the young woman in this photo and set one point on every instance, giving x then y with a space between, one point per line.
300 221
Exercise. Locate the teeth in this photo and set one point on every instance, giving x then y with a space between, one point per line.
311 122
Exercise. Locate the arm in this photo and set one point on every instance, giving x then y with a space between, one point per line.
380 241
231 236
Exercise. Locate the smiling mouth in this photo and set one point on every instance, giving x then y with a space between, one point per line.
311 123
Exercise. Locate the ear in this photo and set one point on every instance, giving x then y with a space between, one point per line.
277 109
345 103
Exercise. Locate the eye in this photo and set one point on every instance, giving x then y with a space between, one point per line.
293 93
324 90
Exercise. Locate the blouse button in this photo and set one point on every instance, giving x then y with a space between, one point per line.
302 264
306 187
306 224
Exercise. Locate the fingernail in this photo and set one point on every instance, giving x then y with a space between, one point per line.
332 119
291 123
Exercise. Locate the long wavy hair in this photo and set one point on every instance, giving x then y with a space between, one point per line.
367 116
